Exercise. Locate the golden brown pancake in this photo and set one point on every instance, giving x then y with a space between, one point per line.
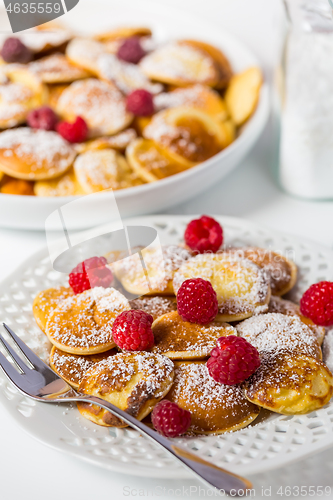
82 324
242 94
215 408
290 384
274 332
46 301
132 381
72 367
56 68
179 339
66 185
9 185
155 305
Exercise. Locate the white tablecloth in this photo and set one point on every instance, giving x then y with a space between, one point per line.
30 470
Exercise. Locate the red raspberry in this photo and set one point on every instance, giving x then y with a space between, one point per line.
14 51
140 102
132 331
44 118
73 132
90 273
317 303
169 419
233 360
204 235
131 51
197 301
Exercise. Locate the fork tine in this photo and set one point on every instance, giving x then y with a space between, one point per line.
14 376
33 359
15 357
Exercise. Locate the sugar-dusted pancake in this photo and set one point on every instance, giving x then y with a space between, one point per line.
127 76
274 332
119 142
241 286
66 185
72 367
100 169
85 52
195 96
282 272
82 324
215 408
9 185
31 154
155 305
100 103
180 63
179 339
122 33
133 381
56 68
46 37
160 269
189 135
243 93
290 384
150 161
278 305
46 301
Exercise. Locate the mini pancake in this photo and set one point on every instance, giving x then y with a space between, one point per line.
290 384
72 367
150 161
281 271
56 68
195 96
123 33
243 93
100 169
189 135
180 63
55 91
9 185
83 324
274 332
278 305
46 301
241 286
46 37
158 275
127 76
100 104
155 305
179 339
85 52
215 408
118 142
31 154
134 382
66 185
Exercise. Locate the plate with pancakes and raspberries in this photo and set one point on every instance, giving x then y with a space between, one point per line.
155 105
221 341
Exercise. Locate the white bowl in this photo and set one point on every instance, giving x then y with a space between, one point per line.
29 212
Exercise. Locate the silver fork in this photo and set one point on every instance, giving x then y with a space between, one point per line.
36 380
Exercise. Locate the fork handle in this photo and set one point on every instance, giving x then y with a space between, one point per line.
209 473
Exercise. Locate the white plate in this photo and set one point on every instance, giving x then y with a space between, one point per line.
270 443
30 212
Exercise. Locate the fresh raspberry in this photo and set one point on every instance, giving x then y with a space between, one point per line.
89 274
131 50
14 51
197 301
73 132
317 303
44 118
233 360
132 331
140 102
204 235
169 419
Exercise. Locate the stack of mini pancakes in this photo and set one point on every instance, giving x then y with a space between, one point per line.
200 106
249 282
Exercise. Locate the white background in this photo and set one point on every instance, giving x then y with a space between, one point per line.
29 469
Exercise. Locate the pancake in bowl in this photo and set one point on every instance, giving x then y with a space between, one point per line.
134 382
215 408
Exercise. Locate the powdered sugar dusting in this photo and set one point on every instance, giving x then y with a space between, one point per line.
328 348
156 306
